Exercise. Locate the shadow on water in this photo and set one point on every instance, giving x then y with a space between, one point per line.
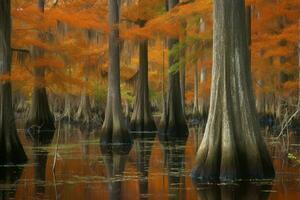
40 140
114 161
9 178
243 191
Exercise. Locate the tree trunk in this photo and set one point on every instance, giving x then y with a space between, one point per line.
163 99
232 147
114 129
299 66
183 65
196 90
142 119
11 150
203 107
40 116
173 124
67 108
84 113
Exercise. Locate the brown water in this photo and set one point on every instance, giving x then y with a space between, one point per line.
82 172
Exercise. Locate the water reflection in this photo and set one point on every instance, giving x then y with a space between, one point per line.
154 170
114 161
40 140
9 178
143 148
174 164
245 191
84 135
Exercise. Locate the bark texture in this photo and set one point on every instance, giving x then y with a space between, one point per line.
40 117
232 147
114 129
142 119
173 123
11 150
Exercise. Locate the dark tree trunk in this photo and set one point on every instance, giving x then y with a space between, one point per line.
114 129
11 150
40 116
173 123
232 147
142 119
183 65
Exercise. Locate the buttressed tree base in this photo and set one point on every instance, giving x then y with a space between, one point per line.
232 147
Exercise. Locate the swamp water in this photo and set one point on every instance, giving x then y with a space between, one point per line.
151 170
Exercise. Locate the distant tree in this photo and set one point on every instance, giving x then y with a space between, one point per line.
40 117
173 123
142 119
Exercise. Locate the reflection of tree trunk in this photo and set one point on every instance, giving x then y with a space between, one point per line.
142 119
40 160
174 156
11 150
143 151
40 156
9 177
173 123
115 166
245 191
114 129
40 115
232 133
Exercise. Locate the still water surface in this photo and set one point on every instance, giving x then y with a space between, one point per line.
151 170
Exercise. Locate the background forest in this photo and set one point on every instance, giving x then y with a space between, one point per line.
74 38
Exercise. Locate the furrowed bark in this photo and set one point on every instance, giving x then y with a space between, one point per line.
232 147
